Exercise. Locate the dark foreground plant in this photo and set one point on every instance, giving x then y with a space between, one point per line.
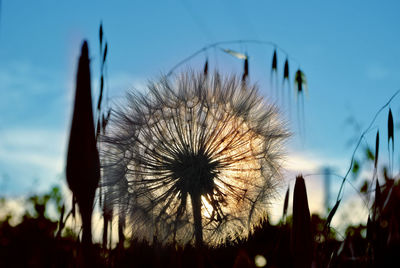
196 159
301 230
83 167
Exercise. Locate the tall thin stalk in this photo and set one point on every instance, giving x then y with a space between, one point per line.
198 228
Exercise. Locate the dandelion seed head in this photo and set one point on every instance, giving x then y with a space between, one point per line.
193 137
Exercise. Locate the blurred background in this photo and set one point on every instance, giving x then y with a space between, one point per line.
348 52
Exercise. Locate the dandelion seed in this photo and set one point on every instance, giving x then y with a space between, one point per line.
235 54
196 160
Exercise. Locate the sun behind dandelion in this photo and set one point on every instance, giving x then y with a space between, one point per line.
196 160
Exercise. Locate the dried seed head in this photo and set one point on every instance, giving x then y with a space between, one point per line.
274 66
193 140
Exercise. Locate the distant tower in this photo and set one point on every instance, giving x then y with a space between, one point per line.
327 187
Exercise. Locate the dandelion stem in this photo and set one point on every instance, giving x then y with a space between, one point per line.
198 228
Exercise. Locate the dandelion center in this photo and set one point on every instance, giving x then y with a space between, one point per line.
195 173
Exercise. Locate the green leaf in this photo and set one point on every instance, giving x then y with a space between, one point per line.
364 187
369 154
356 168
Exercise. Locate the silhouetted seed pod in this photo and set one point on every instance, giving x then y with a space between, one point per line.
83 167
302 238
286 70
300 81
274 67
245 69
206 68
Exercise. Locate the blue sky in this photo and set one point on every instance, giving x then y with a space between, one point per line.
348 50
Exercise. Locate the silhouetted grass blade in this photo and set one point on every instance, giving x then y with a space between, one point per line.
369 229
332 213
83 167
61 222
286 204
107 118
376 150
101 92
105 53
390 129
377 204
107 219
73 208
104 120
98 128
302 238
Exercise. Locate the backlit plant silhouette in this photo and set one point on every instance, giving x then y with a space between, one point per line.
196 159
